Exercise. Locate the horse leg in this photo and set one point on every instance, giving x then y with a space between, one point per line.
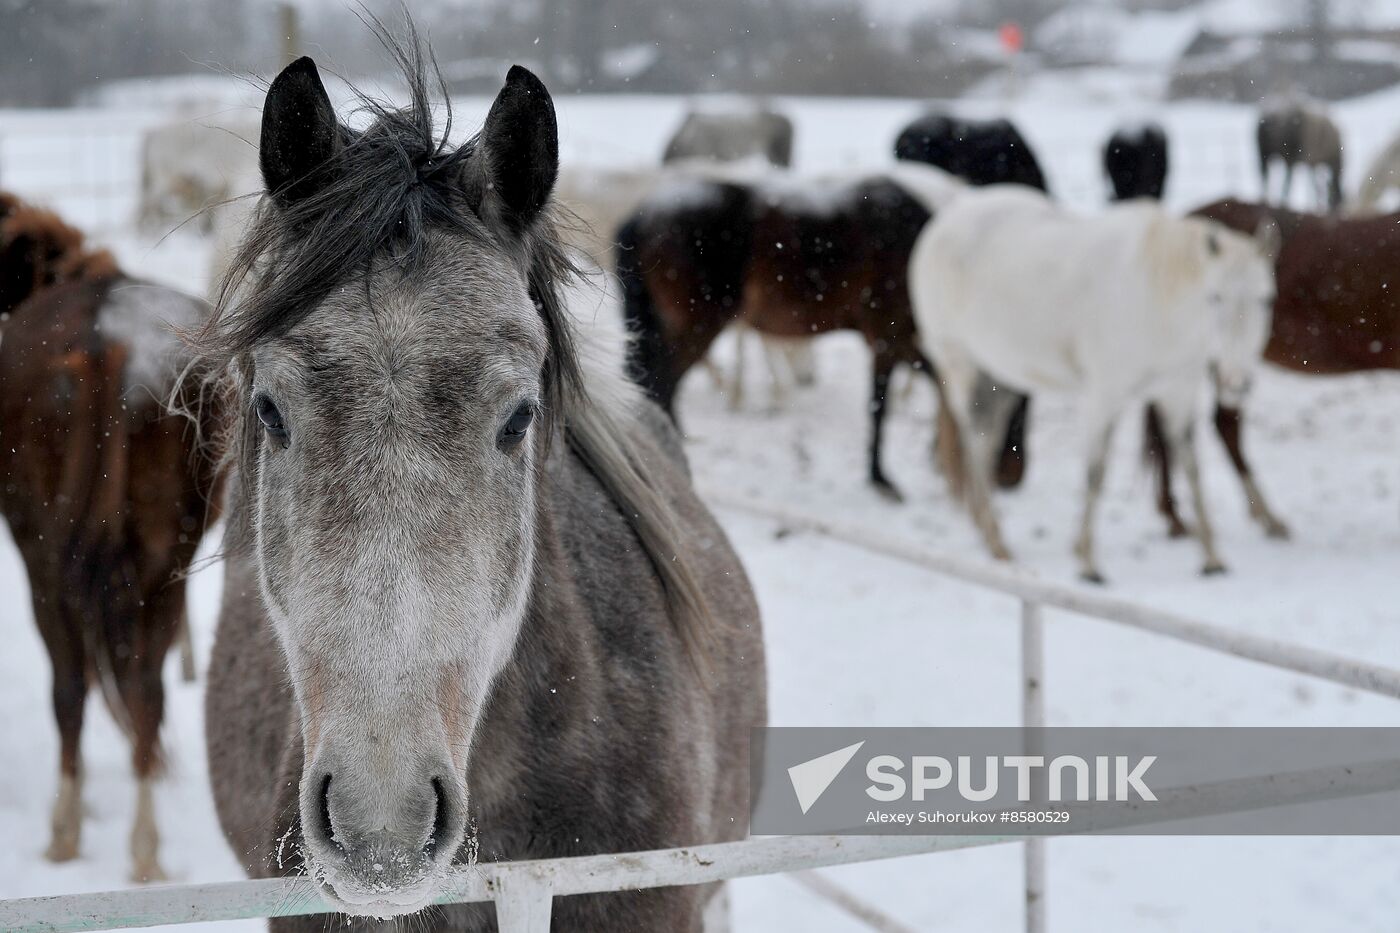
999 416
1213 564
964 448
1156 452
881 368
1287 183
736 379
1228 424
185 641
773 352
144 695
1011 464
1100 432
146 702
63 638
1181 442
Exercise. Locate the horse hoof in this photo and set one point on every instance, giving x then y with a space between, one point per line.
62 850
1093 576
1177 529
887 490
1213 569
1277 530
1009 475
148 874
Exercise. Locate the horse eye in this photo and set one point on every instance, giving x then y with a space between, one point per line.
272 421
516 425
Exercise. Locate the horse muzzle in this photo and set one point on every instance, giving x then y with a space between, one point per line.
381 845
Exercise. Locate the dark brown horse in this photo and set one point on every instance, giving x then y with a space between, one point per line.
1335 312
788 261
104 491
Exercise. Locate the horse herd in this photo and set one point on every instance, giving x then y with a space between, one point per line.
991 293
472 606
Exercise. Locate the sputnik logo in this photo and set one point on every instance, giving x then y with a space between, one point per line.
811 778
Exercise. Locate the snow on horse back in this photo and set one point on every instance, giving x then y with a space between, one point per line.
1012 292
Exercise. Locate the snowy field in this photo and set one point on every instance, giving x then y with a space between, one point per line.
858 640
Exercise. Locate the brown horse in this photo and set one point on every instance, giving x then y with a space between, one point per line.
789 260
104 490
1335 312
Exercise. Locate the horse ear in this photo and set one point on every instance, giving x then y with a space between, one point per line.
518 152
1269 238
300 134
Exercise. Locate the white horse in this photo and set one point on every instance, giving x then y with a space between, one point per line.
1011 292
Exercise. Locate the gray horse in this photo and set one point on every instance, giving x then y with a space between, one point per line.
473 607
729 137
1301 133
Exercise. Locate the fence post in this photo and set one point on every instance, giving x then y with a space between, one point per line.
523 904
1033 717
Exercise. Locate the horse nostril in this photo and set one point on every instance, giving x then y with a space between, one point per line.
323 810
441 819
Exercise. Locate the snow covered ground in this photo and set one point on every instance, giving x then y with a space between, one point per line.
858 640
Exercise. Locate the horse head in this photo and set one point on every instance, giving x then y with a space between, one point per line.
387 333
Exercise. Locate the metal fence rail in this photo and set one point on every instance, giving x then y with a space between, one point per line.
1014 581
523 891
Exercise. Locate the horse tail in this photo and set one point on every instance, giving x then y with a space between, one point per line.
648 354
103 594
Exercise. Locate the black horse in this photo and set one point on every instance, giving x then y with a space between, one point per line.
981 152
1135 159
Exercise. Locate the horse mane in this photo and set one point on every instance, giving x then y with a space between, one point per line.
394 182
59 251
